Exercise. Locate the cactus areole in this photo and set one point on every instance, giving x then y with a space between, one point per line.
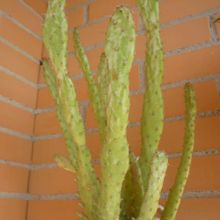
129 186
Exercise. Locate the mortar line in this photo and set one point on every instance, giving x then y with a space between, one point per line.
141 90
20 25
202 194
29 8
19 50
17 76
44 166
33 133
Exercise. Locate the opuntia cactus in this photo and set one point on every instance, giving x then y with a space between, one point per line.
129 186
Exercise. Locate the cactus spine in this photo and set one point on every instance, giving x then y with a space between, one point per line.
129 187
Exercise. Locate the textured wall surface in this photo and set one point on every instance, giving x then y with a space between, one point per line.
29 132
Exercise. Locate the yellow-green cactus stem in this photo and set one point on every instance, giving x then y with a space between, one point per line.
50 79
156 178
93 91
64 163
55 39
176 191
119 52
152 116
132 191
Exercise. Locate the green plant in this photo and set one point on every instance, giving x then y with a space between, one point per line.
129 187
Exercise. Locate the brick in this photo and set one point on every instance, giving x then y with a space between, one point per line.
193 64
204 208
181 9
206 101
206 135
47 123
20 38
73 66
13 179
178 36
217 25
207 180
100 9
13 209
39 6
45 99
73 3
185 34
135 77
17 90
81 89
16 62
94 144
75 17
45 150
97 31
16 119
56 210
15 149
52 181
21 13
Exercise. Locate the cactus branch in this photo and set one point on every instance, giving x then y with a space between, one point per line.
119 51
151 199
152 116
93 91
55 39
183 170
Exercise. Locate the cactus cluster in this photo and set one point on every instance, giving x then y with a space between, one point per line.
129 187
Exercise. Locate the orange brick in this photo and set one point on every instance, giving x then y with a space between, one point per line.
93 142
94 33
136 107
73 3
73 66
56 210
194 64
97 31
47 123
204 208
178 36
185 34
140 49
203 174
171 9
90 118
13 209
22 14
16 119
100 9
20 38
39 6
18 63
15 149
81 89
94 57
217 25
45 99
52 181
135 77
17 90
206 101
206 135
75 17
13 179
45 150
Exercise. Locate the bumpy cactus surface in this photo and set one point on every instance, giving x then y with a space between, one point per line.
129 187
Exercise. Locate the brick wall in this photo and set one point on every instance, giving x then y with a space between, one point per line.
20 52
192 51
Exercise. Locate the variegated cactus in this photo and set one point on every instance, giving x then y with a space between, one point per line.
129 187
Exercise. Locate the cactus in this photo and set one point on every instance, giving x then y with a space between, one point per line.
129 186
